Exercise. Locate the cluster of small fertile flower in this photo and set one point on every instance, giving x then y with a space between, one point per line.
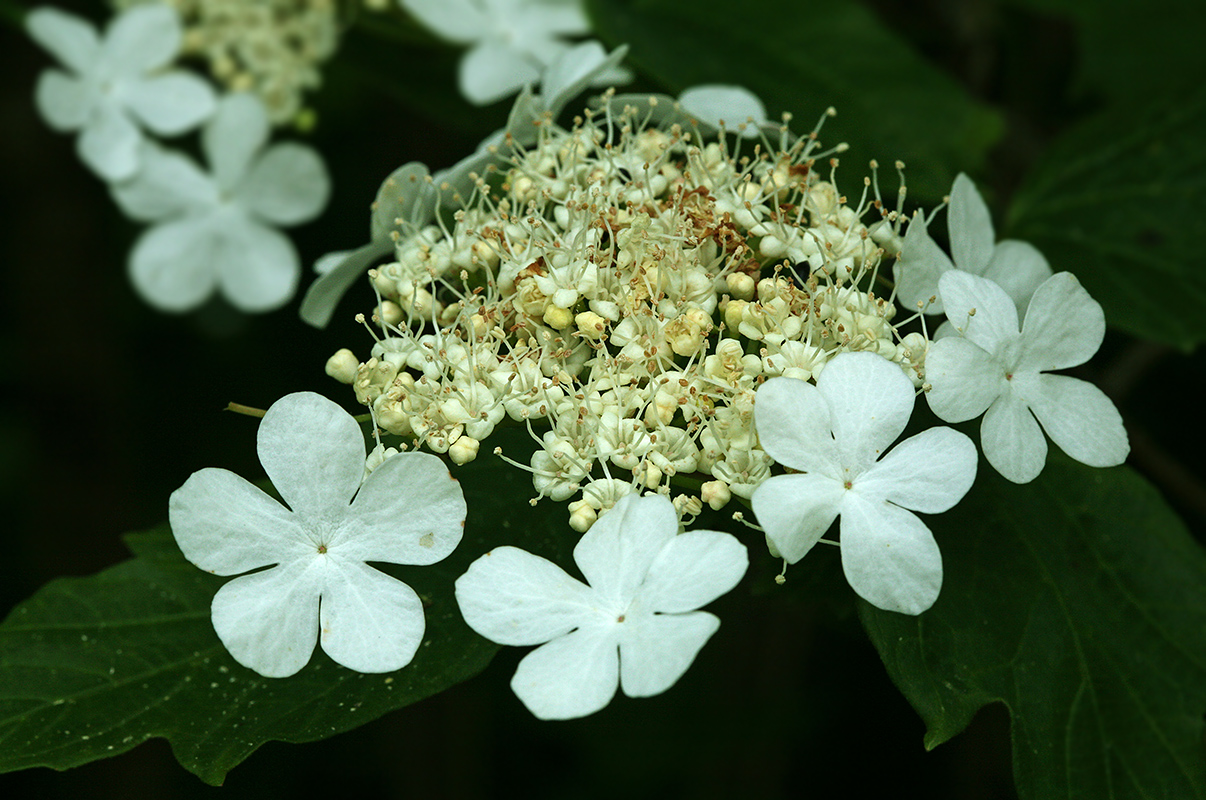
271 48
627 287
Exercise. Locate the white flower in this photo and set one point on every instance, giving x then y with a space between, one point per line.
834 433
117 83
566 77
216 231
318 586
512 40
996 367
635 625
1017 267
733 108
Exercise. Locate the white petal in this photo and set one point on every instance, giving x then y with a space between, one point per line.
70 39
405 194
571 676
656 649
1012 440
258 267
141 39
409 511
796 510
794 427
1064 326
964 379
615 554
889 556
929 472
919 267
109 143
491 71
167 185
692 570
1018 268
970 226
237 131
225 525
1078 417
287 185
65 102
324 294
513 597
573 71
870 401
729 107
458 21
172 103
269 620
369 621
980 309
313 452
172 264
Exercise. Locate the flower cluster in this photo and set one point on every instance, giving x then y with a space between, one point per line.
271 48
629 287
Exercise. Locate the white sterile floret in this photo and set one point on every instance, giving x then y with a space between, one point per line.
511 40
834 434
996 370
733 108
217 231
635 624
117 84
1017 267
318 585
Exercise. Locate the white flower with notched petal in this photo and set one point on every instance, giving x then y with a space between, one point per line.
318 586
216 231
635 625
996 370
118 83
834 433
511 40
1017 267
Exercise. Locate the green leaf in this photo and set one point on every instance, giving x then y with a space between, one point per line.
1121 201
805 57
1079 601
91 667
1127 48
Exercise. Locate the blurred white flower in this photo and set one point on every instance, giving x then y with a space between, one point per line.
511 41
216 231
409 510
834 433
116 84
997 370
1017 267
635 625
736 109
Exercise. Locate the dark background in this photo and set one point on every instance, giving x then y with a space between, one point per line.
107 407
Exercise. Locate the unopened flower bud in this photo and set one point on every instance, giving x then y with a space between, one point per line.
342 366
582 516
740 285
591 325
557 317
716 494
464 450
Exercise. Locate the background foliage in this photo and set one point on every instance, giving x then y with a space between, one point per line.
1079 121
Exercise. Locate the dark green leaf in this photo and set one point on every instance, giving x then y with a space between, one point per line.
1079 601
1121 201
90 667
805 57
1129 49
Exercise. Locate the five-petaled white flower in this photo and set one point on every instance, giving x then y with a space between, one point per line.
216 231
635 625
512 40
117 83
996 368
408 511
834 433
1017 267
